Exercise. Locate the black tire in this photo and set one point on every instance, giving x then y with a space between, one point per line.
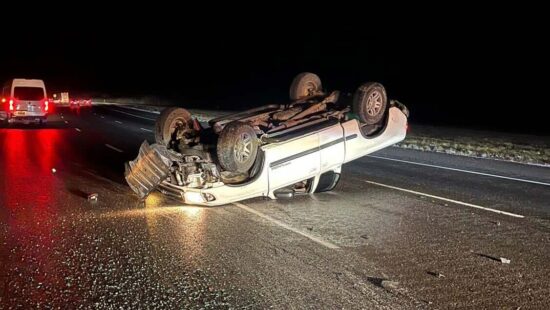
370 103
166 123
327 182
237 147
305 84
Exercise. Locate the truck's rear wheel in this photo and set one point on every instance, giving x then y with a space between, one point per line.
169 122
305 84
237 147
370 103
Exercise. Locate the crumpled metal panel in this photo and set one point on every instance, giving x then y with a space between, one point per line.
148 170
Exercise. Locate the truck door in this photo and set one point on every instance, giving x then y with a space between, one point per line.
293 161
332 145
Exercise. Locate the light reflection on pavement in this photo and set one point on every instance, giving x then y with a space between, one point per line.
57 249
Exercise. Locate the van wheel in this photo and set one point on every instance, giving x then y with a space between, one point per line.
327 181
370 103
305 84
237 147
170 121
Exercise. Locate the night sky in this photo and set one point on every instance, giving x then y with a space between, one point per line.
470 71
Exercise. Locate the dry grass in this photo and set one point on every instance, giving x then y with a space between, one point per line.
480 147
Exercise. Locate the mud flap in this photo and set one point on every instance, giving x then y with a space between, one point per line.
148 170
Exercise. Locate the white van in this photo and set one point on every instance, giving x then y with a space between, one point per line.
24 100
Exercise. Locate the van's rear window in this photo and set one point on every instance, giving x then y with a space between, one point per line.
28 93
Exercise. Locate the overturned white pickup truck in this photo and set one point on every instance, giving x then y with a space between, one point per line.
271 151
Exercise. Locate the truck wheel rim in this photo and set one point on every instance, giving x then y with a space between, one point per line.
177 125
243 148
374 103
309 89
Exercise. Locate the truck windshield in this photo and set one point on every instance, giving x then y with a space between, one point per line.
28 93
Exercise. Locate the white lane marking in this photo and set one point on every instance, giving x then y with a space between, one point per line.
145 129
102 116
445 199
77 129
114 148
462 170
138 109
478 157
118 122
138 116
66 122
286 226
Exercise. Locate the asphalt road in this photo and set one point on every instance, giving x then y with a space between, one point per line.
403 229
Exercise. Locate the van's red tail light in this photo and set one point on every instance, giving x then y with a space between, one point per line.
46 105
11 104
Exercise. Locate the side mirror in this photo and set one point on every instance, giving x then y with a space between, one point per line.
284 193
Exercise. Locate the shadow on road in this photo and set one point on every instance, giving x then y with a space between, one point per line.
376 281
78 192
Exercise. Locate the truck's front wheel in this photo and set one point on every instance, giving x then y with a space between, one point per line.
170 121
237 147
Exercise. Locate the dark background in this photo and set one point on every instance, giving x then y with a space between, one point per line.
484 70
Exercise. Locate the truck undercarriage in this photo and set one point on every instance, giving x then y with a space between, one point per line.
187 155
